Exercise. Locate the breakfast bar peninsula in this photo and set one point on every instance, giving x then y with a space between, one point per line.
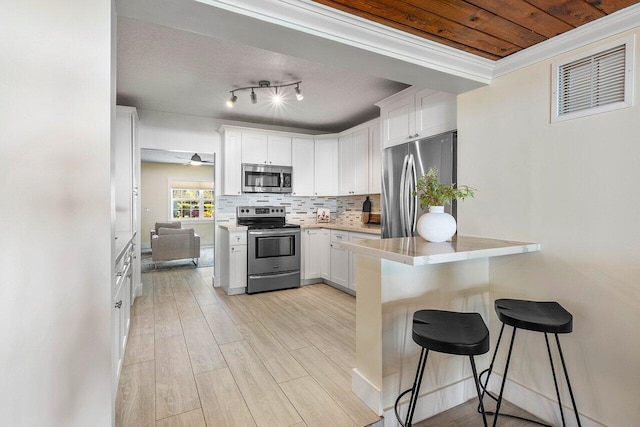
396 277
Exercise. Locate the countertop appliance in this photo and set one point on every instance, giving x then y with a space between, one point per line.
266 178
273 248
402 165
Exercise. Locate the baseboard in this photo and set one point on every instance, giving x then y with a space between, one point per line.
366 391
145 246
306 282
434 402
539 405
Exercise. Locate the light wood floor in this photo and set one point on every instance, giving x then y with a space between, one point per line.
197 357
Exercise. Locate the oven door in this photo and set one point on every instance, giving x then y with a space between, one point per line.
273 251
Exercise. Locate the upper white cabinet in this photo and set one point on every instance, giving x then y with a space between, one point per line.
354 162
326 167
302 160
232 162
413 114
254 148
279 150
375 154
262 148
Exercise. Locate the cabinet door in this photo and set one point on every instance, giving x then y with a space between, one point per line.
326 167
375 155
238 266
435 112
324 246
117 317
255 148
232 166
339 265
302 160
345 163
279 150
398 122
124 170
312 249
360 161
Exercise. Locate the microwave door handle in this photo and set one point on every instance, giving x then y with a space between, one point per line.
281 180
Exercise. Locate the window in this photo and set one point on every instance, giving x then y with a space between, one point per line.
596 82
191 200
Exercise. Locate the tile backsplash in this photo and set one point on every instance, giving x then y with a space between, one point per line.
344 209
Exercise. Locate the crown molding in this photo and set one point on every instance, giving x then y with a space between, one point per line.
322 21
608 26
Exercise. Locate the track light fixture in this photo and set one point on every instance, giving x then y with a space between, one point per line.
265 84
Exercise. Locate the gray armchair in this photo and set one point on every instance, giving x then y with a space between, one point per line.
174 224
169 244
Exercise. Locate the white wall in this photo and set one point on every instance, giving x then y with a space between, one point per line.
572 186
55 256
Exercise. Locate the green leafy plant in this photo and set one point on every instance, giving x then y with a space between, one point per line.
431 192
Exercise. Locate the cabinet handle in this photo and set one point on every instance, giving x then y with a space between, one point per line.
416 135
119 304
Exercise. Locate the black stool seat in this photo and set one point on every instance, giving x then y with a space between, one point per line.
451 332
549 317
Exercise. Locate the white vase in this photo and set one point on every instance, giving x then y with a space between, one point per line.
436 225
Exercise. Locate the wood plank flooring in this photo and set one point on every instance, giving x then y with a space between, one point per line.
197 357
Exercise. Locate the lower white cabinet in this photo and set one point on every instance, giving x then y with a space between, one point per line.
121 309
339 258
233 261
322 256
316 253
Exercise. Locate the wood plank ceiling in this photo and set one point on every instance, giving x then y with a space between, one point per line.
489 28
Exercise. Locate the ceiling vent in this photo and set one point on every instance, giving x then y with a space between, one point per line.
595 82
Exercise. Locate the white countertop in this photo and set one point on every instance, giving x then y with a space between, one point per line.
417 251
233 227
360 228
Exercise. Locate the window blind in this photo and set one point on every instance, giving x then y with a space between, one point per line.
592 81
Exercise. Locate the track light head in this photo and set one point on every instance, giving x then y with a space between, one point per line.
299 95
231 101
254 97
195 160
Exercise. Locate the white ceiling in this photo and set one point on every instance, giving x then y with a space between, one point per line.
166 69
168 156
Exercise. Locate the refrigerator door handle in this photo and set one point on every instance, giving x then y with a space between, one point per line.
414 198
403 196
409 195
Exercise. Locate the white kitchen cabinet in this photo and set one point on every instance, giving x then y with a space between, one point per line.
255 148
279 150
233 261
375 156
232 162
413 114
121 306
326 167
316 254
345 165
325 253
339 258
398 121
436 112
302 160
354 163
264 148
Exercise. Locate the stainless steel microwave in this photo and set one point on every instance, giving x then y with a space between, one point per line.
266 178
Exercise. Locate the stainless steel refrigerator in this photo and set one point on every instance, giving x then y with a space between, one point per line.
402 165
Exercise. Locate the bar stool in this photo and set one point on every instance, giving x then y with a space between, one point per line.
449 332
545 317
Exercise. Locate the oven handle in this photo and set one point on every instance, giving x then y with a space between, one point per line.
273 232
269 276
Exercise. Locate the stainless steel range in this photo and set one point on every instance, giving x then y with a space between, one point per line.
273 248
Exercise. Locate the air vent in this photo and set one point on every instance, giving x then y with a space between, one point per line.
593 83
